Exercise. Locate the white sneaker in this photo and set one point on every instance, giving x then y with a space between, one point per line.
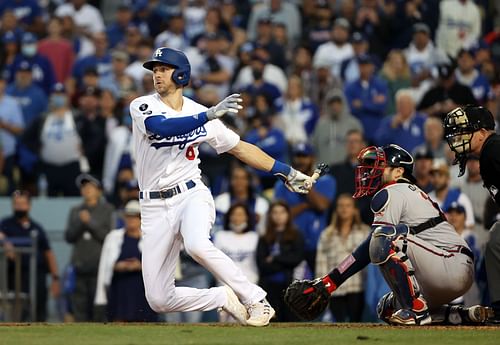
234 307
260 313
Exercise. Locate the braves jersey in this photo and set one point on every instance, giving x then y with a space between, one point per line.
163 162
404 203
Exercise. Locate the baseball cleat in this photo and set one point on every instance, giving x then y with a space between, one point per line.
234 307
260 313
408 317
480 314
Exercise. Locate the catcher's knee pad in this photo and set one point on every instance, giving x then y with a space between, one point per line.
382 242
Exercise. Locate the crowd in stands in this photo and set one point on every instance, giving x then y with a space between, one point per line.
320 80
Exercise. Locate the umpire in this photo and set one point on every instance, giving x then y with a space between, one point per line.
470 130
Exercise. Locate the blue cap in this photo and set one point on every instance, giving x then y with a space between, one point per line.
9 37
358 37
24 65
58 87
455 206
302 149
28 37
365 59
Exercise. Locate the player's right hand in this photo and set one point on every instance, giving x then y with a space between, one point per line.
228 104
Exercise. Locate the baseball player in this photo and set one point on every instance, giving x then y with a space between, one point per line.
470 130
176 207
422 258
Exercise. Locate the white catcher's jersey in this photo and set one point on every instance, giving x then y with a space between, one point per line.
403 203
164 162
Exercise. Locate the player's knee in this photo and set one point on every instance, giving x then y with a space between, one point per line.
197 249
382 242
161 303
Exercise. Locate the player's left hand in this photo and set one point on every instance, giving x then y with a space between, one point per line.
297 182
229 104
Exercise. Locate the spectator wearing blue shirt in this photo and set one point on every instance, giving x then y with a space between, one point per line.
309 211
468 75
11 126
100 61
259 85
406 127
43 73
117 30
367 97
269 139
28 12
29 95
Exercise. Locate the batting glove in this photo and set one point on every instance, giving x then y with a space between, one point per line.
297 182
228 104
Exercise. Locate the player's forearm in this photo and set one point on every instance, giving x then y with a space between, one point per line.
253 156
169 127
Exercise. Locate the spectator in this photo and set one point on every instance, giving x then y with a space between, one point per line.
456 215
11 127
372 18
301 66
433 134
444 195
58 50
422 57
88 224
118 81
446 95
318 31
29 13
92 130
195 13
337 242
422 168
9 51
119 282
43 73
333 128
116 31
396 73
10 24
267 137
135 69
467 74
280 11
344 172
28 94
308 211
266 39
83 46
296 113
322 81
349 69
459 25
472 186
367 97
238 241
338 49
175 34
242 191
54 138
87 18
21 226
405 127
260 74
279 251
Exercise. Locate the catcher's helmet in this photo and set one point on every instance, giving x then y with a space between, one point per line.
175 58
372 162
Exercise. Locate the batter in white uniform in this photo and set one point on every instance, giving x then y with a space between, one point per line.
176 207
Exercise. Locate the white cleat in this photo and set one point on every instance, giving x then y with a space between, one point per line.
260 313
234 307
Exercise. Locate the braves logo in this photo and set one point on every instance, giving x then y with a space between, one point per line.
179 140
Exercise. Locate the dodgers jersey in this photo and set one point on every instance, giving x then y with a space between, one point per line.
407 204
163 162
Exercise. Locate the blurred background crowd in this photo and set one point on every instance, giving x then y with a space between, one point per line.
320 81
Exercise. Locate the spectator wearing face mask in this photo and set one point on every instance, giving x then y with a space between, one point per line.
55 139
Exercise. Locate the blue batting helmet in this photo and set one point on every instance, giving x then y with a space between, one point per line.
175 58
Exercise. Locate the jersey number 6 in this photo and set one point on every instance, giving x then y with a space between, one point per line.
190 154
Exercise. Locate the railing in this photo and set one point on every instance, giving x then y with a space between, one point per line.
12 302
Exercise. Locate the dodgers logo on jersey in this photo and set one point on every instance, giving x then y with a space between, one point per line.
180 140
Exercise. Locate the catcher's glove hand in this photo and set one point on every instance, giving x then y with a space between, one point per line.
308 299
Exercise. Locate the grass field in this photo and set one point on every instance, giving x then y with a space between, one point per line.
299 333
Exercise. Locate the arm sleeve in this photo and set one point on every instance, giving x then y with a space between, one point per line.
168 127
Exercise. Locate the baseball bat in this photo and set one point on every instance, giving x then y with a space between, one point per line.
320 170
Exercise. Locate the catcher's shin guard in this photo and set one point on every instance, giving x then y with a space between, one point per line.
398 272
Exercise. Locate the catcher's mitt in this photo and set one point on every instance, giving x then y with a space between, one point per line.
308 299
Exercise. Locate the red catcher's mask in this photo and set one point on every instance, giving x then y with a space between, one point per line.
369 171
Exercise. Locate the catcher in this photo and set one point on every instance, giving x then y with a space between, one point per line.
422 258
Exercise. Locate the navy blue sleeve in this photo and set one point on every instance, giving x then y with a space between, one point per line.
160 125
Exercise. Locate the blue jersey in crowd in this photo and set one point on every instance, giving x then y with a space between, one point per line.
101 63
41 69
33 101
408 135
25 10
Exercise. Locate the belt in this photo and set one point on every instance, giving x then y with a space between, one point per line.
167 193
